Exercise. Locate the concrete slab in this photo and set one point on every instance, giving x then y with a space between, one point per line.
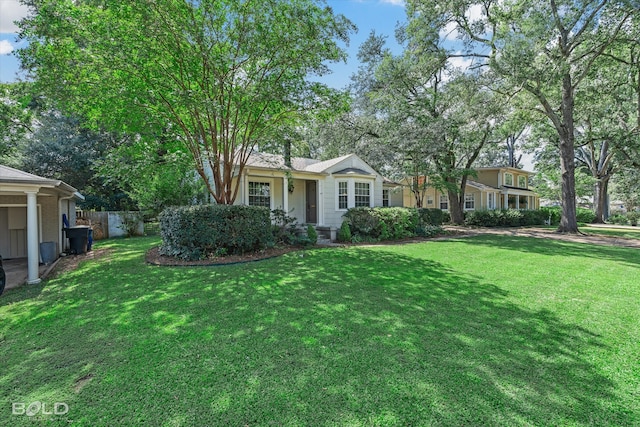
17 271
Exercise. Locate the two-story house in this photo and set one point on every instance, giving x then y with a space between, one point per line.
493 188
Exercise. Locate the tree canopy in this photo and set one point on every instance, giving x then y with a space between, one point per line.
220 74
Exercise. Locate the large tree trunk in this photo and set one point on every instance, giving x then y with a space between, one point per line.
456 208
600 199
568 222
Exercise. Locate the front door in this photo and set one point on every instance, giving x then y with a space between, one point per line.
312 202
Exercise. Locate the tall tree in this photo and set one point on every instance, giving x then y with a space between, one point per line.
18 109
219 73
544 47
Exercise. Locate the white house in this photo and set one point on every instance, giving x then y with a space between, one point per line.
313 191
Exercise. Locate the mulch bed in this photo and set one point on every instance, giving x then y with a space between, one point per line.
154 257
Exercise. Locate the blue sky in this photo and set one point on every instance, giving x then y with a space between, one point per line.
379 15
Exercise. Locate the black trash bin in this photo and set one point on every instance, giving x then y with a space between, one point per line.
78 238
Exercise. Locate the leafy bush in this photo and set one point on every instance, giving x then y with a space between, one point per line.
382 223
430 216
585 215
344 233
312 234
618 219
633 217
504 218
429 230
551 212
283 227
198 232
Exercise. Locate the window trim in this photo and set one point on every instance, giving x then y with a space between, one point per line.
506 174
387 199
447 202
346 181
259 179
473 201
356 195
524 178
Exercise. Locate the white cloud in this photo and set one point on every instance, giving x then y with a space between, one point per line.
461 63
11 10
394 2
5 47
473 14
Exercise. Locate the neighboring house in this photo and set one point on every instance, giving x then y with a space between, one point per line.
31 209
494 188
313 191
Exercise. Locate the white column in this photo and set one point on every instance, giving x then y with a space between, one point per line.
517 201
285 194
320 205
33 255
506 200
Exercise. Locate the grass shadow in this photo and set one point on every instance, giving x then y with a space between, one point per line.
340 336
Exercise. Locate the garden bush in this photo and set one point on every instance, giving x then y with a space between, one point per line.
585 215
633 217
382 223
504 218
283 227
312 234
430 216
551 212
618 219
344 233
198 232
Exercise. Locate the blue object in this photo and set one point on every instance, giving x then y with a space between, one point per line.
90 240
65 221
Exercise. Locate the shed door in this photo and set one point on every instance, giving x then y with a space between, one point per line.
312 202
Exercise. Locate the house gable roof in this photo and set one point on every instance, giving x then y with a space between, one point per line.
16 177
300 164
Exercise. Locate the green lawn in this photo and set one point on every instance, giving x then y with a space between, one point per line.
489 330
629 233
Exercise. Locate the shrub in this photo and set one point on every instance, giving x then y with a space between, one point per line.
551 212
633 217
585 215
504 218
618 219
344 233
197 232
429 230
312 234
430 216
483 218
283 227
382 223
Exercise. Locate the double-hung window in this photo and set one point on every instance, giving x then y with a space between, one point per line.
363 194
469 201
522 181
385 198
343 195
444 202
260 194
508 179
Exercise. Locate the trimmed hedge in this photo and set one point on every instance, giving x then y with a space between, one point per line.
382 223
389 223
586 216
505 218
197 232
431 216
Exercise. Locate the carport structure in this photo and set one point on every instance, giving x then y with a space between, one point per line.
31 209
